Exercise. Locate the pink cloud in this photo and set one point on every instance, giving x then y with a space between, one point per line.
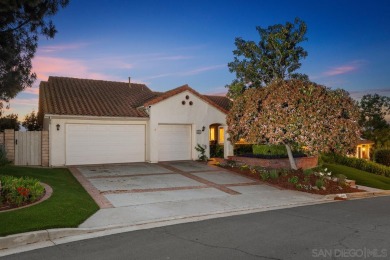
217 91
203 69
33 90
340 70
346 68
24 101
45 66
62 47
187 73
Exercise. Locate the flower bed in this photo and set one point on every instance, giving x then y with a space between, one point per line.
17 192
317 181
277 163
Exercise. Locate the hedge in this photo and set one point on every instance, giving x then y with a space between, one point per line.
264 149
240 149
356 163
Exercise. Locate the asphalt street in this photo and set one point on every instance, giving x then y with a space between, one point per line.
357 229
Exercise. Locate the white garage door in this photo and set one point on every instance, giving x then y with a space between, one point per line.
174 142
97 144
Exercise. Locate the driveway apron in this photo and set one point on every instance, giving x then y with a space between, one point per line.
140 193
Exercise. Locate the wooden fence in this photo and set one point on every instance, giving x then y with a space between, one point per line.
26 148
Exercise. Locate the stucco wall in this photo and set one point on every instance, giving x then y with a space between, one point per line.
172 111
57 138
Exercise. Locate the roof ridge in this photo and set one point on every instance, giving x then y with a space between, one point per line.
101 80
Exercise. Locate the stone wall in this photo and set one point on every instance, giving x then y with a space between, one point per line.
283 163
45 148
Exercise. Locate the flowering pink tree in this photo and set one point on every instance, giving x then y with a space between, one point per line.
296 112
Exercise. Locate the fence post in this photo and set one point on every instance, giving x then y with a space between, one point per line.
9 143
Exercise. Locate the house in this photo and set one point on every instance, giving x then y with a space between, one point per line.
99 122
363 149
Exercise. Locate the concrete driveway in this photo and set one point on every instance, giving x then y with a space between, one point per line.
141 193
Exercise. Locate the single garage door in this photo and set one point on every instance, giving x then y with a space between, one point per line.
174 142
97 144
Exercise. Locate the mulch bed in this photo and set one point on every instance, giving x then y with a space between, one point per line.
332 187
7 206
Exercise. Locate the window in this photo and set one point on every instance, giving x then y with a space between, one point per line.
221 135
212 134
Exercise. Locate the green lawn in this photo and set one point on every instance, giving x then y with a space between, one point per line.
361 177
68 206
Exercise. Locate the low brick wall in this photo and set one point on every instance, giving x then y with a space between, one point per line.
283 163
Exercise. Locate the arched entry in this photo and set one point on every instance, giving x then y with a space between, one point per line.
216 139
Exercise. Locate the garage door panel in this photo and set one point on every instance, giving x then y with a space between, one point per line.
174 142
96 144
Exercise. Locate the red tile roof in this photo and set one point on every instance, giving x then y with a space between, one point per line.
71 96
87 97
364 141
221 103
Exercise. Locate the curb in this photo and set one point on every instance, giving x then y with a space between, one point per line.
32 237
358 195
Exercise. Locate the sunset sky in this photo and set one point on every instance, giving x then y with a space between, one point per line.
166 44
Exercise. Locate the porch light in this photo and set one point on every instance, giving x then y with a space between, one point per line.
58 127
203 128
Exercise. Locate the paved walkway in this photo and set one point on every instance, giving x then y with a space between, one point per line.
141 193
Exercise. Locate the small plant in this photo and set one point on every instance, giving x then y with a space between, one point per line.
264 176
320 183
202 153
299 186
341 179
244 167
293 180
274 174
253 170
231 163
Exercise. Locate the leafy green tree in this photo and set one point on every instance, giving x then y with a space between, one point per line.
31 122
296 113
277 56
21 22
9 122
374 109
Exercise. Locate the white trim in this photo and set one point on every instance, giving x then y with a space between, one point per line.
52 116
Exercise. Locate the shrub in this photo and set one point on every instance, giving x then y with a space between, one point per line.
293 180
240 149
264 175
3 156
244 167
216 151
274 174
202 153
356 163
264 149
19 191
341 179
320 183
382 156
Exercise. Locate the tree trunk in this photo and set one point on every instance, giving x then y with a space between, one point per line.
291 158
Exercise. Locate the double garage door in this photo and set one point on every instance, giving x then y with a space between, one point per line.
101 144
98 144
